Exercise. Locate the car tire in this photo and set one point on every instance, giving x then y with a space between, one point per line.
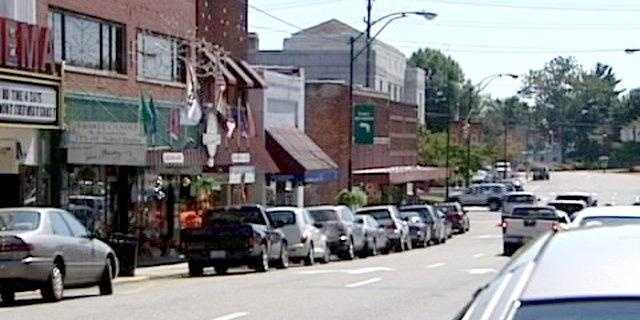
262 263
350 252
494 205
408 244
8 296
195 269
374 250
326 258
221 269
283 257
106 280
53 290
508 249
310 259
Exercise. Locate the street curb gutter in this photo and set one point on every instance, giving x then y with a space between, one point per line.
127 280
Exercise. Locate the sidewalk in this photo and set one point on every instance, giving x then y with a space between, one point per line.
151 273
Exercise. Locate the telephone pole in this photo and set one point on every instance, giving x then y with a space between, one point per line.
368 35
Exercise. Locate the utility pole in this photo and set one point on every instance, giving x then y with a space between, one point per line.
446 187
506 124
352 41
368 35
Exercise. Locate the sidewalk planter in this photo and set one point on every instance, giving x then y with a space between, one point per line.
126 248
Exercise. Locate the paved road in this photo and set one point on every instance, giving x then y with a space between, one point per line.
431 283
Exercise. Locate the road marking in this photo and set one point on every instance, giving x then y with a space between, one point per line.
348 271
489 236
233 316
478 255
481 271
363 283
436 265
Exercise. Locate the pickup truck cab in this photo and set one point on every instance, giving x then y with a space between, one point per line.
526 223
589 198
232 237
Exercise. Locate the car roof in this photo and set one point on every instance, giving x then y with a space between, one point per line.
579 264
520 193
576 193
35 209
581 202
388 207
531 206
294 209
417 206
611 211
326 208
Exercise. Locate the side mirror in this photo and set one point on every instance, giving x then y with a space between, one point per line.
317 225
359 221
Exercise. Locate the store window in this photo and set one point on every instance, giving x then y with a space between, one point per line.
19 10
161 57
87 42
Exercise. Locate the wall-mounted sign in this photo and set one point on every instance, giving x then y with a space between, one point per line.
173 158
106 143
364 124
25 46
27 103
240 157
8 157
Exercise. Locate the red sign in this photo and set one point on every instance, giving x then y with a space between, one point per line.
25 46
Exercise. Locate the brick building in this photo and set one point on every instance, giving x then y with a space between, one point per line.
225 22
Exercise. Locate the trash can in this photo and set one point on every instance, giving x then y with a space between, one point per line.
126 248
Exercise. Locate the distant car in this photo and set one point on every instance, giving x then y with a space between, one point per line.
588 198
235 236
614 215
456 215
397 230
344 237
434 218
571 207
541 173
375 234
586 274
486 194
525 223
48 249
514 199
306 242
419 230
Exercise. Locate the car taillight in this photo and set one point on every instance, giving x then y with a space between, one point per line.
14 244
555 227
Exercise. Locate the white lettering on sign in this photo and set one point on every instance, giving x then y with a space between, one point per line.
240 157
173 158
27 103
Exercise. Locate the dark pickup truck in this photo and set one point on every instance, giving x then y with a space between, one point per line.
233 237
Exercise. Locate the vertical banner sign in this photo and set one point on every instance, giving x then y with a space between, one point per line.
364 124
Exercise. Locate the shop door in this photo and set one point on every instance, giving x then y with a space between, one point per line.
10 195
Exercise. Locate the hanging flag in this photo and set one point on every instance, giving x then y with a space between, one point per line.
154 116
145 116
191 114
175 131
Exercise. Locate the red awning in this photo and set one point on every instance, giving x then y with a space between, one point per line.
192 162
259 156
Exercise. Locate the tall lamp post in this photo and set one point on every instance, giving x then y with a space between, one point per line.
354 55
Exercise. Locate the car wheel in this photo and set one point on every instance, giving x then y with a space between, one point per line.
195 269
221 269
262 265
374 250
408 243
310 259
7 295
350 253
54 288
283 258
106 280
326 258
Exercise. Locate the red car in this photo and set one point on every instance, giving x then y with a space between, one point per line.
456 215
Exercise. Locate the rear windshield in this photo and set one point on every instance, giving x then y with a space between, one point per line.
409 214
19 221
534 212
379 215
572 198
581 310
521 198
324 215
611 221
567 207
253 216
283 217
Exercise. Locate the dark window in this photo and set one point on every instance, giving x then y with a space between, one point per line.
161 57
284 217
231 216
76 227
379 215
19 220
58 226
87 42
323 215
521 199
612 309
534 213
611 221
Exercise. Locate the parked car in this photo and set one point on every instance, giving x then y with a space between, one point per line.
374 232
456 215
305 242
541 173
433 218
588 198
235 236
48 249
419 230
525 223
485 194
614 215
586 274
397 230
571 207
515 199
344 237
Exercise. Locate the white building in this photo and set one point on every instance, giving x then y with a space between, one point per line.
631 132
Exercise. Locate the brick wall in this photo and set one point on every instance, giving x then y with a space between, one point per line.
168 17
224 22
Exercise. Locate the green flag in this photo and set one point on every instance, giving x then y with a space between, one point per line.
148 115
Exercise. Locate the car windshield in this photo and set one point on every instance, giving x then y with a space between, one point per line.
572 198
535 213
568 207
581 310
521 198
610 221
19 220
283 217
225 216
324 215
409 214
379 215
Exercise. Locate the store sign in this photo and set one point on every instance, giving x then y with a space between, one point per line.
173 158
25 46
364 124
240 157
27 103
242 174
106 143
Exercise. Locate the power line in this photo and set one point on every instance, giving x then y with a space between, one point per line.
525 7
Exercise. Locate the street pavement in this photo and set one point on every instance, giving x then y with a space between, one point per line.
432 283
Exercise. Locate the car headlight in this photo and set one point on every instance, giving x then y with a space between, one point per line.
343 238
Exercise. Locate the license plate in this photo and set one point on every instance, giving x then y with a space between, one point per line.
217 254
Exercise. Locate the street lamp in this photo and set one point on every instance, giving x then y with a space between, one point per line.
354 55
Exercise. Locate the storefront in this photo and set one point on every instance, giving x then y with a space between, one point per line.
398 184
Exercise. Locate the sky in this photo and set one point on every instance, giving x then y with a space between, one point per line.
485 36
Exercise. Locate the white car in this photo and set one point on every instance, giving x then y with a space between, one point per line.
614 215
514 199
306 242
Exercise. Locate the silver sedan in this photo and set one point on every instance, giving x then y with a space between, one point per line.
48 249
